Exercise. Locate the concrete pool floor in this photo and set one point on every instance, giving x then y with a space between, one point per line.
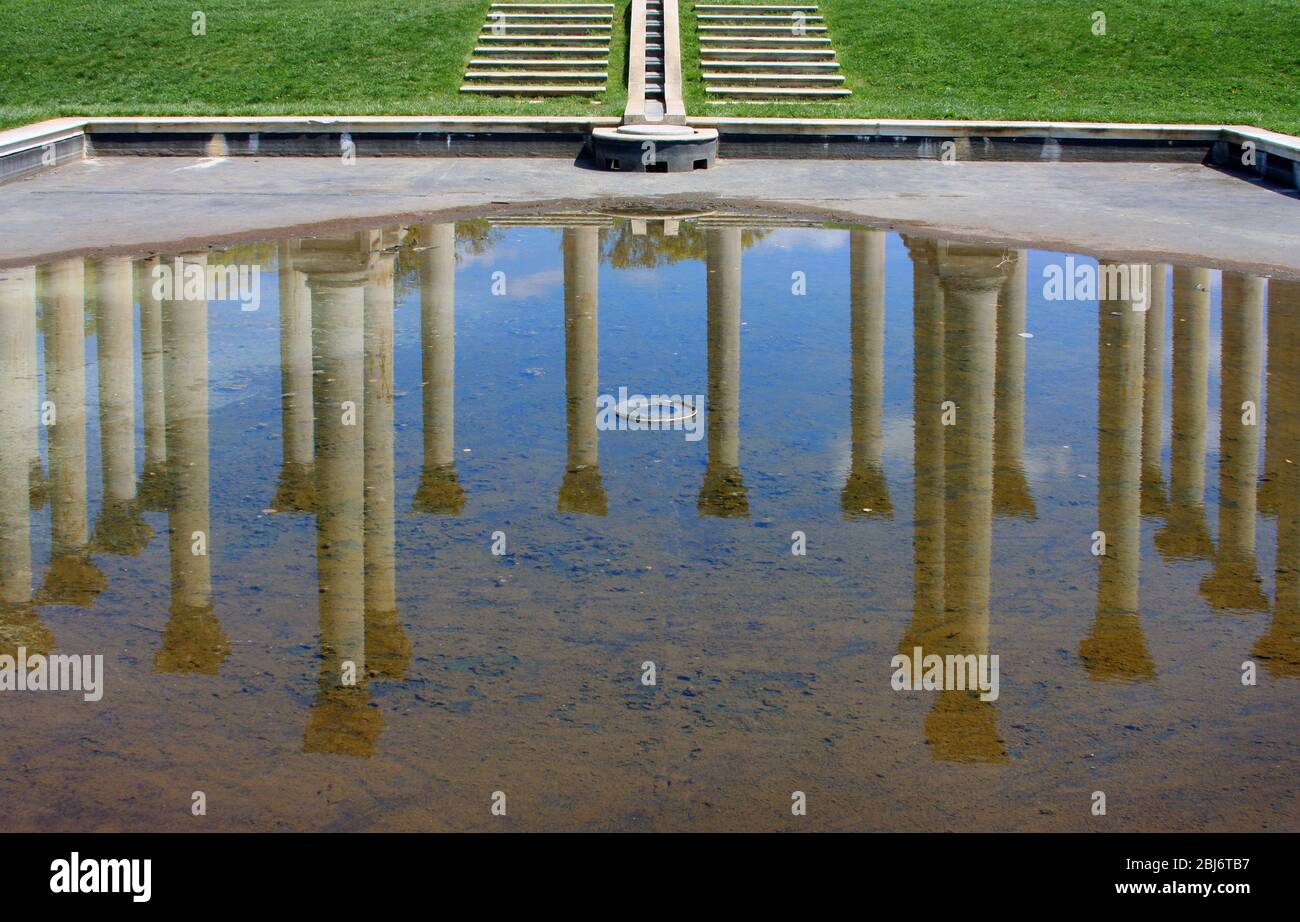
1170 212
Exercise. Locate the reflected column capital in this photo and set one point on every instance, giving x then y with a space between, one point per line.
338 261
972 267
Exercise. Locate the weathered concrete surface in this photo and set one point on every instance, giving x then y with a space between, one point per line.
1177 213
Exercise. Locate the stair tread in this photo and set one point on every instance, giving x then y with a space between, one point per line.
544 74
543 38
541 62
530 88
820 52
783 19
782 65
545 49
777 90
769 40
508 17
776 78
760 29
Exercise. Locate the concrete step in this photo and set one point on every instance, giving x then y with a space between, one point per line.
781 19
769 42
534 90
780 66
539 62
756 30
542 75
755 7
778 79
554 6
540 49
543 18
771 54
489 37
508 28
805 92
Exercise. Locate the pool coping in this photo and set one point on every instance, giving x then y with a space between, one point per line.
43 145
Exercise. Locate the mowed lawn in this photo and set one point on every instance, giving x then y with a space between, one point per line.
298 57
1160 60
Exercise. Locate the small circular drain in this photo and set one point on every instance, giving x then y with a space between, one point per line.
655 410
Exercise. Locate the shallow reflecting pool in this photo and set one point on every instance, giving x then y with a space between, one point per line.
608 522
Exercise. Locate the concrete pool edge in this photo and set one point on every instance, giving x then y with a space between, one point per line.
34 148
675 205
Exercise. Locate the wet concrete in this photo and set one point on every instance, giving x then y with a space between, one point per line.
1175 213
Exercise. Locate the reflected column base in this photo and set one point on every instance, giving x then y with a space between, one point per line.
440 492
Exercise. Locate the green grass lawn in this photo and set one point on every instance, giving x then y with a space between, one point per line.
297 57
1161 60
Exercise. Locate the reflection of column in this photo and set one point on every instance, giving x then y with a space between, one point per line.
296 488
388 651
1281 319
1116 648
1279 647
1185 534
1011 496
337 271
153 480
19 625
440 492
72 578
1234 583
723 490
1153 394
193 640
18 296
120 528
582 490
866 493
927 452
962 728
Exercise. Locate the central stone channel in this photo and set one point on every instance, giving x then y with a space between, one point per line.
654 136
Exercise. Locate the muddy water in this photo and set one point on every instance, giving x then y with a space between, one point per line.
361 541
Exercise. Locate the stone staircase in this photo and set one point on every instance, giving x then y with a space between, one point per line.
654 52
767 51
542 49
